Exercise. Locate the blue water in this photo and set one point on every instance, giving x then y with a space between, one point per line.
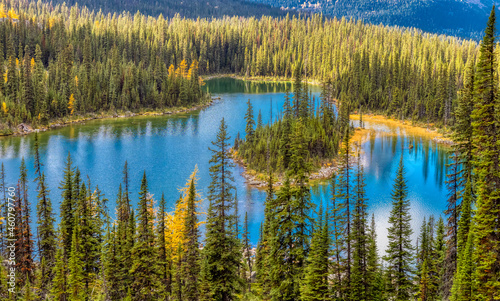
169 147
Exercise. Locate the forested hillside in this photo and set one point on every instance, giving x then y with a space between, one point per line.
188 8
88 251
402 73
463 18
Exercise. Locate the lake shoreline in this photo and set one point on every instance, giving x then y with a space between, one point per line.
25 129
256 180
432 133
257 79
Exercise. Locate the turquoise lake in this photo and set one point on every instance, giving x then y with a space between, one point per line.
169 147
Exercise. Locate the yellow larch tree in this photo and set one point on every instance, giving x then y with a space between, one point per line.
171 70
4 108
174 223
3 14
71 104
183 68
12 15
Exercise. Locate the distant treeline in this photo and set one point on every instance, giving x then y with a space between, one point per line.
122 60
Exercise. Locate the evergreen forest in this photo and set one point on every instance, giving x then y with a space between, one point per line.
61 61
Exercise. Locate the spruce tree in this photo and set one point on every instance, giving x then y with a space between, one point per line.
144 270
25 252
486 131
316 271
399 254
344 195
263 258
249 129
45 221
462 280
76 279
247 254
374 279
338 239
222 248
60 271
462 135
162 247
191 263
359 237
67 207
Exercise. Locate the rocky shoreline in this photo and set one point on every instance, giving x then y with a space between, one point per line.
25 129
324 173
252 178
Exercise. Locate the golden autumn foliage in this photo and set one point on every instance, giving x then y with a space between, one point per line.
3 14
71 104
51 22
183 69
174 224
32 63
76 80
12 15
4 108
171 70
194 66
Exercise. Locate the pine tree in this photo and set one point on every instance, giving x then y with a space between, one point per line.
344 195
454 187
45 220
162 248
59 284
375 285
88 244
249 129
486 131
247 254
284 276
338 237
301 204
144 285
462 135
76 279
262 257
359 237
222 248
67 206
400 250
25 256
316 272
465 286
462 285
191 263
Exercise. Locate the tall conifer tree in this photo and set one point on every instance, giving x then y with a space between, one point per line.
399 253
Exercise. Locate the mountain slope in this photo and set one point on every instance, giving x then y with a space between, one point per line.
464 18
186 8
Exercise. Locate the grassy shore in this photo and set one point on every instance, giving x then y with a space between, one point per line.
398 127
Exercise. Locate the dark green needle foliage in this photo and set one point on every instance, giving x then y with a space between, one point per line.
399 253
222 253
145 282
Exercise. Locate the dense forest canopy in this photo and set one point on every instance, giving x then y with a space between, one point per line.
453 17
405 73
189 9
65 60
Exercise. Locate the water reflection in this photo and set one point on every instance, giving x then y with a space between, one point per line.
169 147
